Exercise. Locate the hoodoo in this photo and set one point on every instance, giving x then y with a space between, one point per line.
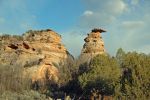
94 45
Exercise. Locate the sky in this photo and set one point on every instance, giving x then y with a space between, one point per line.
126 21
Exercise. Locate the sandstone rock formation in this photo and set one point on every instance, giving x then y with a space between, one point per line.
39 52
93 46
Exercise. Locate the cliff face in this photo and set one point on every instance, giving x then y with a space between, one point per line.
93 46
48 43
42 54
39 52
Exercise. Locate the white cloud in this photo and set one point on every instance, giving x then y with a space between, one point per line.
111 6
96 20
88 13
116 6
101 13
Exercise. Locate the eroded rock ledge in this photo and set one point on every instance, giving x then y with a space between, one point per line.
39 52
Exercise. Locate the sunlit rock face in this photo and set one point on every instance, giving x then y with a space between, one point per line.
39 52
47 43
93 45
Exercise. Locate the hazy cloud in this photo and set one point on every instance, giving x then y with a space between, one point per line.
144 48
132 25
116 6
135 35
2 20
101 13
134 2
73 41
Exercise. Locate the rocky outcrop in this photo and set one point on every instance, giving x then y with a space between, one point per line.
39 52
46 72
93 46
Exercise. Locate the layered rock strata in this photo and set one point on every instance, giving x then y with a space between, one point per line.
39 52
93 46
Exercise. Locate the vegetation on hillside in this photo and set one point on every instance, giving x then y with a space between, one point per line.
102 76
123 77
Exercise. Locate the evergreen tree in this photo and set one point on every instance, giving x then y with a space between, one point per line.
120 56
135 80
103 75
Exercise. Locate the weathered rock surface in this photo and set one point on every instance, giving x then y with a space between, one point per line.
93 46
39 52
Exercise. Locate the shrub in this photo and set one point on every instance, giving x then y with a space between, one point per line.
11 79
25 95
103 75
134 83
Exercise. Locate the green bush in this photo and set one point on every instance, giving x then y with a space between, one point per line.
135 80
103 75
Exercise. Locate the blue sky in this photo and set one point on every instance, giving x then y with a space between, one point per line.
126 21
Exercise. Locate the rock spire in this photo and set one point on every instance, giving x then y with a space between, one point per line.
93 45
